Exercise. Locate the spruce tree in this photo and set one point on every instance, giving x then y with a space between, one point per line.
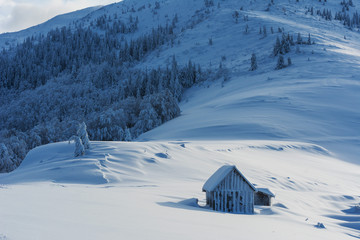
83 135
299 39
253 62
277 47
246 28
6 164
128 136
285 44
79 147
280 63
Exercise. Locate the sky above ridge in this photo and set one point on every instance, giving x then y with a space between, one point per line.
16 15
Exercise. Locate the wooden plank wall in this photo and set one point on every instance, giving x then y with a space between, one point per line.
233 194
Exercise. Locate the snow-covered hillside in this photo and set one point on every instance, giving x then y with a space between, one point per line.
146 190
295 130
314 100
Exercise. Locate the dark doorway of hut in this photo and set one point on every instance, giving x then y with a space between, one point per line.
229 202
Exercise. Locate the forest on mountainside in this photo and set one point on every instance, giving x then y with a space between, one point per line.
49 84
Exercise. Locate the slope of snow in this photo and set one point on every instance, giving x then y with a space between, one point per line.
149 190
314 100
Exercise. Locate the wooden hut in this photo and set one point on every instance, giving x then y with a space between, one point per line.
263 197
227 190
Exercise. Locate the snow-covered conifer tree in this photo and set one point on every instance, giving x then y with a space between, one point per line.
246 28
121 134
277 47
83 135
176 88
6 164
147 120
79 147
299 39
285 44
128 136
253 62
280 63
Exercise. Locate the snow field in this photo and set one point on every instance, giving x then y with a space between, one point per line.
137 190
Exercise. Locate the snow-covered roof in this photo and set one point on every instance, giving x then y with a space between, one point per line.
266 191
219 175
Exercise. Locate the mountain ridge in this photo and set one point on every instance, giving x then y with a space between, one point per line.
10 39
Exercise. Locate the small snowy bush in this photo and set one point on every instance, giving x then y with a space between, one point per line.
320 225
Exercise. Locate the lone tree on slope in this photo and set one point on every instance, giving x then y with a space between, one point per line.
79 147
280 63
83 135
253 62
289 61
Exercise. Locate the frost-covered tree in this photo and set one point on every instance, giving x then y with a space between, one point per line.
79 147
175 85
289 61
299 39
209 3
246 29
236 16
285 44
264 31
147 120
280 63
277 47
18 147
83 135
6 164
128 137
253 62
34 139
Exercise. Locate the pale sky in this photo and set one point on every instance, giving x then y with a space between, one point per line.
16 15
